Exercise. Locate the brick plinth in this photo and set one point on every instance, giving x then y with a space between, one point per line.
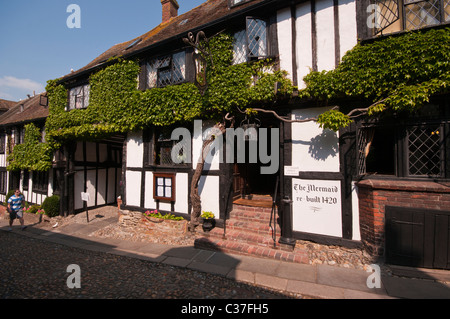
375 195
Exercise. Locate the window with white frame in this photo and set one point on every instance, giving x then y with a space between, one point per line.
79 97
251 43
166 70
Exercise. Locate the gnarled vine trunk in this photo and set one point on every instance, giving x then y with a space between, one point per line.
195 196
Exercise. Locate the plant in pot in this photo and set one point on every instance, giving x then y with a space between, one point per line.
208 221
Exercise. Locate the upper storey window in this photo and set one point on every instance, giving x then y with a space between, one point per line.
251 43
166 70
390 16
79 97
236 2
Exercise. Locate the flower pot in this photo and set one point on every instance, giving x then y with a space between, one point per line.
208 224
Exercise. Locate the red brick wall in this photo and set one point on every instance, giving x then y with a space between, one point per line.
169 9
375 195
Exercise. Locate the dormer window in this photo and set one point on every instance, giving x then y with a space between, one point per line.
251 43
79 97
166 70
236 2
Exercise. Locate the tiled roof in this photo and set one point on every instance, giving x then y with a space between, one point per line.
6 105
177 27
25 111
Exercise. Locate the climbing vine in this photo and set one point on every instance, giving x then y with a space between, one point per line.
32 154
396 74
117 105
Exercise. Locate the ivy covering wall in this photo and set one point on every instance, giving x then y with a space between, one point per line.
394 74
117 106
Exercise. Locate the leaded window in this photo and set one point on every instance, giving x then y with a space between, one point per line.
251 43
79 97
409 150
166 70
40 182
161 150
413 14
425 150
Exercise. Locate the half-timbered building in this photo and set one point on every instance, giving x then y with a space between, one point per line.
321 189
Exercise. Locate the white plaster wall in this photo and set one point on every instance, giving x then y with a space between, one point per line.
182 189
325 35
355 210
133 189
135 149
90 187
347 25
78 189
101 192
2 160
209 194
304 42
79 152
50 182
91 152
103 153
149 202
211 162
313 148
284 32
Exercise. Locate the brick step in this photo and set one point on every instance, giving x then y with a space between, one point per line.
252 226
232 235
246 249
251 216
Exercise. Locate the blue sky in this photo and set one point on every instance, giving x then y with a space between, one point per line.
36 44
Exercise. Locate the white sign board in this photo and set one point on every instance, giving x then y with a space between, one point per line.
317 207
291 170
85 197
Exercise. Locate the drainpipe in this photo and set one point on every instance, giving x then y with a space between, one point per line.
285 207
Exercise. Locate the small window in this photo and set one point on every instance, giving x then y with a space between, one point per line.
2 143
79 97
251 43
166 70
19 135
233 3
164 186
26 180
40 182
3 182
161 148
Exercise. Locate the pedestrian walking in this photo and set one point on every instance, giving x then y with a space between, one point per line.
15 204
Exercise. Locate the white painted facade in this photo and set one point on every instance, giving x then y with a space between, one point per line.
322 21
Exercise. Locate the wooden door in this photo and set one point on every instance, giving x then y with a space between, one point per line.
418 237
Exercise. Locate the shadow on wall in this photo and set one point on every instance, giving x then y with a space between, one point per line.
322 146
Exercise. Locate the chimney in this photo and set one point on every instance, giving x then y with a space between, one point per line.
169 9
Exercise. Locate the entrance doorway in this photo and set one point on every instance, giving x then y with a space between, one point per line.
249 181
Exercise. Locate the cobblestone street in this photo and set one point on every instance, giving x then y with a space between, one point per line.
31 268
